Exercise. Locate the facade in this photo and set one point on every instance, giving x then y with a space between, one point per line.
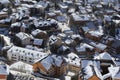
26 55
23 38
51 66
73 63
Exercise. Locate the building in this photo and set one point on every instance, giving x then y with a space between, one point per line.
73 63
26 55
3 15
99 47
22 39
4 71
51 66
115 72
39 34
90 70
106 61
21 67
85 49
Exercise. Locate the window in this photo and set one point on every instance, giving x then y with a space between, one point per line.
23 51
30 58
37 54
16 49
28 53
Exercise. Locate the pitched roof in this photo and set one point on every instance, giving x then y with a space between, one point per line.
4 69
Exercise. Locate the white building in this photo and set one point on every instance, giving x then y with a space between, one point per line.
26 55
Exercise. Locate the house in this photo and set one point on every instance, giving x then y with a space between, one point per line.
77 19
73 63
55 43
21 67
39 34
26 55
5 23
115 72
51 15
77 38
39 9
51 66
3 15
95 35
4 71
105 61
63 50
22 39
19 27
90 70
6 3
84 49
63 7
99 47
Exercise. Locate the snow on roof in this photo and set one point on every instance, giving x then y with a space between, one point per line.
21 66
83 47
63 6
68 41
70 73
52 39
57 60
88 71
76 36
61 18
72 55
96 33
4 69
35 32
22 35
73 59
4 1
47 62
52 60
83 17
86 29
104 56
17 24
75 62
38 42
51 14
67 78
92 69
37 56
85 63
98 45
114 71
